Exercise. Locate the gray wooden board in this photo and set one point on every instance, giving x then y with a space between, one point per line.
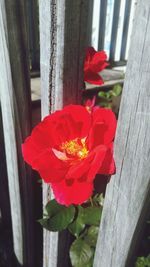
33 32
128 193
125 28
62 39
49 239
9 134
102 23
6 244
114 31
15 102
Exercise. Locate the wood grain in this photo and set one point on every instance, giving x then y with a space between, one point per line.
62 38
128 193
15 103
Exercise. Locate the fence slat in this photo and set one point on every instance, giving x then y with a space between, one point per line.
33 33
114 29
102 24
8 119
89 22
128 193
125 28
5 215
15 102
62 37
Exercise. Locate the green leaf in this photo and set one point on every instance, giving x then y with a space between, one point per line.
77 226
105 95
102 95
143 261
58 216
108 95
53 207
90 263
105 104
80 253
91 236
117 89
89 216
92 215
44 223
98 199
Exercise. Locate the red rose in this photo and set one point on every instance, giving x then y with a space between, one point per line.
94 63
69 147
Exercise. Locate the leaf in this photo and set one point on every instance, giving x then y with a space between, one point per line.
117 89
105 95
143 261
108 95
59 216
53 207
102 95
44 223
80 253
90 263
91 236
92 215
89 216
98 199
77 226
105 104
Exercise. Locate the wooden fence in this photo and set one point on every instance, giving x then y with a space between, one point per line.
63 37
111 29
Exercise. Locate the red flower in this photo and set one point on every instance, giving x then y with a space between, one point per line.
90 104
69 147
94 63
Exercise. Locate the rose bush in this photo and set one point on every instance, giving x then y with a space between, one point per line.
69 147
94 63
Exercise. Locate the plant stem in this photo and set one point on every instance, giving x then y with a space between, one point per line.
91 201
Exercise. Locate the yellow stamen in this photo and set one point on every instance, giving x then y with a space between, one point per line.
75 148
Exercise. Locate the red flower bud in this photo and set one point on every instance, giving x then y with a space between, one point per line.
94 63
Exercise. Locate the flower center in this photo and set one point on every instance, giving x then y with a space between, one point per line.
75 148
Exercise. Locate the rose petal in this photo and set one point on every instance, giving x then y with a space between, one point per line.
99 61
108 166
81 118
30 150
94 63
91 165
50 167
99 156
93 78
80 168
103 128
74 193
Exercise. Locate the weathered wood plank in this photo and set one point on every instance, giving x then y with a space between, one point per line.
8 119
115 24
102 24
33 33
6 243
128 193
62 38
89 22
15 103
125 28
